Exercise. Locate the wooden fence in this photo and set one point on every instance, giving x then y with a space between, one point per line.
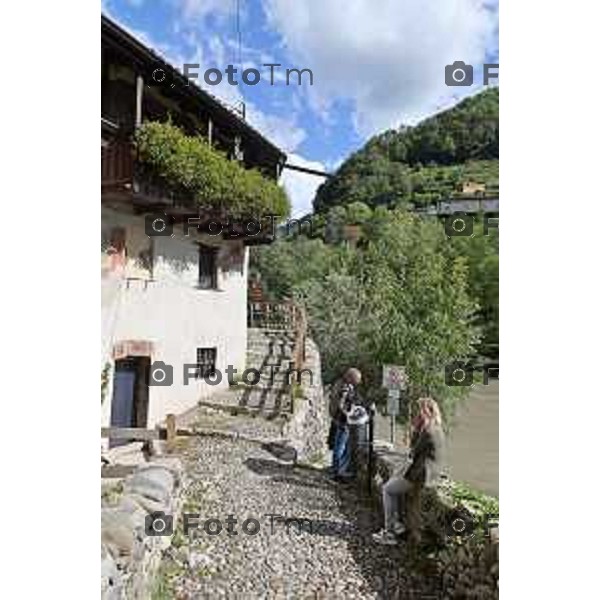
168 433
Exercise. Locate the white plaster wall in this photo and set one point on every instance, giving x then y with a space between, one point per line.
175 315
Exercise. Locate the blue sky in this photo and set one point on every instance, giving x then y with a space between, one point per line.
376 64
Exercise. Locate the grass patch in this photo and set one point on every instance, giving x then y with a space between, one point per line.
111 494
163 588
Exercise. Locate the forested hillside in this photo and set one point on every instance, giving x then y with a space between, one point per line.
424 163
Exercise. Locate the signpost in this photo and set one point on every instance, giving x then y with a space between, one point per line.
395 380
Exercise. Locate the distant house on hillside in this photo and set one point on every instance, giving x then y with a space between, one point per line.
181 298
471 188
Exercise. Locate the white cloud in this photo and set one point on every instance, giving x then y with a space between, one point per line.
388 56
282 131
301 187
198 9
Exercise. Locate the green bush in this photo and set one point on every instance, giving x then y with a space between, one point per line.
193 169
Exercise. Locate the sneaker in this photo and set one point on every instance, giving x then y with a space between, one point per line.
385 537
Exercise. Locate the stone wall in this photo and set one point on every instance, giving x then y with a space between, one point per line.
468 567
307 429
130 557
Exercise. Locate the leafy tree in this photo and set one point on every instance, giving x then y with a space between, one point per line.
403 298
287 263
481 254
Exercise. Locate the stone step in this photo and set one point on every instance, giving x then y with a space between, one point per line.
272 373
265 343
235 409
285 349
258 333
276 355
265 400
267 368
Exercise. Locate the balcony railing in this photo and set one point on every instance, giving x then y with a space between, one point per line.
117 164
121 172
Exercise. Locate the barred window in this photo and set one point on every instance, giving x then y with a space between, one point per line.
206 362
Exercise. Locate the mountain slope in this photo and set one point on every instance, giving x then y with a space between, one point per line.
423 163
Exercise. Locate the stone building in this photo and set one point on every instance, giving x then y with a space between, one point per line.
171 293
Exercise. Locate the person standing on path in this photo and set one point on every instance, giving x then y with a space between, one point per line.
343 397
427 447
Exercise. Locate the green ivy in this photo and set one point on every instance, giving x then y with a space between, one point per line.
195 170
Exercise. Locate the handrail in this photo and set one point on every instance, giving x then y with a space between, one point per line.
300 338
271 315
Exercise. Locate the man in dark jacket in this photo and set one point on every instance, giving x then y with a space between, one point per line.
427 450
343 397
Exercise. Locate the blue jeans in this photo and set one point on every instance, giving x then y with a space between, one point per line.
341 452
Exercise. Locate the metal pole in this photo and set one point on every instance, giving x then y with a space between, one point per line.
393 429
371 435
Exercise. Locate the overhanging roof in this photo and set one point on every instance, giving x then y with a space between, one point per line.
146 57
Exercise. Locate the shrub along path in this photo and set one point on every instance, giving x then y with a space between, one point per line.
323 550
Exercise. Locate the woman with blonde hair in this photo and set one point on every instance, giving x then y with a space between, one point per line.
427 447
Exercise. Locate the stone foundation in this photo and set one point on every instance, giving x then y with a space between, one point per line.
129 556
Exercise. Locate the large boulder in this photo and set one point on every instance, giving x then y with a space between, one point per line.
153 482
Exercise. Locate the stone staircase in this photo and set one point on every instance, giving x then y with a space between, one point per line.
271 353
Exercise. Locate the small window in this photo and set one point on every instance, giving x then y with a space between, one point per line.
206 362
207 267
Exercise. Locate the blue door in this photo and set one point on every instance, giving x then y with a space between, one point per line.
122 411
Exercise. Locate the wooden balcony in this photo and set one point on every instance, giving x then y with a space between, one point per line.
125 182
124 179
118 160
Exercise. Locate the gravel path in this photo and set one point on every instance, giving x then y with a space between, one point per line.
328 555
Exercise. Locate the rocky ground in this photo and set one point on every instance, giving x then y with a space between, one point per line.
328 555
